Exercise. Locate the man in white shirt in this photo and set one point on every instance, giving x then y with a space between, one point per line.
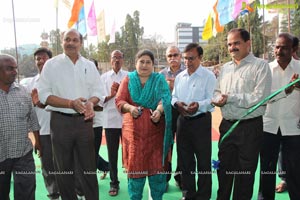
191 96
112 120
280 123
41 55
101 164
282 186
70 86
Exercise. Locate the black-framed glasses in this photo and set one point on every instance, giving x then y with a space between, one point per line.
190 58
175 55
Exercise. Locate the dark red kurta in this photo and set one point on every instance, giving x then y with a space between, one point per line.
142 140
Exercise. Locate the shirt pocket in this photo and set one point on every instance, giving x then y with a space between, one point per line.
21 109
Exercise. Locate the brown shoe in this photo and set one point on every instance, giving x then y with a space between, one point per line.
281 187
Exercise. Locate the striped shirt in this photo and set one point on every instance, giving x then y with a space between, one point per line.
246 85
17 118
167 72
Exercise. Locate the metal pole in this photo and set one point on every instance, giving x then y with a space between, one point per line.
264 30
289 16
57 33
15 35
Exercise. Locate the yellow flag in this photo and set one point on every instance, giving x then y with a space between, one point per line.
207 31
101 27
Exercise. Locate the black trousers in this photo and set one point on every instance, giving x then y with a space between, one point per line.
290 146
101 164
23 169
281 165
177 173
238 155
194 146
73 150
48 167
113 136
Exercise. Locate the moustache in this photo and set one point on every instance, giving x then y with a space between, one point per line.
70 47
233 50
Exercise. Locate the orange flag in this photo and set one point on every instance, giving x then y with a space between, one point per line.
78 4
217 26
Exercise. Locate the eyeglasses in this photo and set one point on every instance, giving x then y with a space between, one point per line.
191 58
117 57
173 55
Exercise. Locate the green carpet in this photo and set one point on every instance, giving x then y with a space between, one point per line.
173 193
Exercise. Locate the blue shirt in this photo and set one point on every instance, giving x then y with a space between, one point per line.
197 87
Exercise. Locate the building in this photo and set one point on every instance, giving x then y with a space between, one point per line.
186 33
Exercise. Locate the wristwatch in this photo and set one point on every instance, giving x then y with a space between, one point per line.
175 105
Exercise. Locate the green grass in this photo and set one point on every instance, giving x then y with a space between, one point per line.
173 193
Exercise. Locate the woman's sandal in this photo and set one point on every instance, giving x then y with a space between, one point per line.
113 191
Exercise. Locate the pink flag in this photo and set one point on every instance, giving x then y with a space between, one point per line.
112 33
238 7
92 22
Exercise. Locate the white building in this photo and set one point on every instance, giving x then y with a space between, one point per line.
186 33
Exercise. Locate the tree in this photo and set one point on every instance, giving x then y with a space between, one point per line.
295 25
26 66
253 23
216 49
131 36
55 42
157 46
271 33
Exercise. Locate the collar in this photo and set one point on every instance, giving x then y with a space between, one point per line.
292 65
247 59
112 72
65 56
181 68
198 71
13 86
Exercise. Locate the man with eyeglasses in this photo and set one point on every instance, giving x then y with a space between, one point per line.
112 118
173 57
242 83
41 55
192 94
70 87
